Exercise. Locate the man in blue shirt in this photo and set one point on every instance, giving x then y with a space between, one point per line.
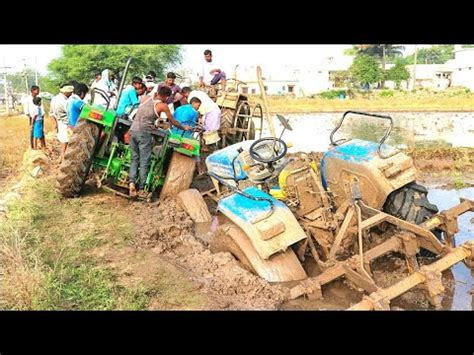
187 115
75 104
129 98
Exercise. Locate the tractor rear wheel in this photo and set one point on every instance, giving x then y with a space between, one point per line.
78 158
411 204
179 175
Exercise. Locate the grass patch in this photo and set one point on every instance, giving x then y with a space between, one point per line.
49 240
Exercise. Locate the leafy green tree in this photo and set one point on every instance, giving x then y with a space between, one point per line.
366 69
384 52
433 55
19 84
80 62
398 72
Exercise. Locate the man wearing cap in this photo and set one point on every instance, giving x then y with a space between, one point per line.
58 112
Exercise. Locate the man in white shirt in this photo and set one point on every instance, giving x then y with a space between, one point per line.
58 111
29 108
209 110
211 73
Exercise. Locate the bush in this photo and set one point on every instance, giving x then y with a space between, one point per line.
386 93
331 94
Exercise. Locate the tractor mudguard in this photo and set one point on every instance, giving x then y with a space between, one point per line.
377 177
98 114
270 230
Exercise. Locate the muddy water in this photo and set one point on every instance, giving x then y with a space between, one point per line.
444 199
311 131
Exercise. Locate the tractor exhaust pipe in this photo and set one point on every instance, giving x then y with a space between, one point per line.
122 82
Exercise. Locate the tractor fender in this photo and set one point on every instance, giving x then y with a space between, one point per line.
281 267
269 229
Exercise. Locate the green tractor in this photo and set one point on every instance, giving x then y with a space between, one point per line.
97 146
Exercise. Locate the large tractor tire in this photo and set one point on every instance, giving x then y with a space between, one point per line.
78 158
227 121
411 204
179 175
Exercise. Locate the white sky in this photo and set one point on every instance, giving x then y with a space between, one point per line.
16 56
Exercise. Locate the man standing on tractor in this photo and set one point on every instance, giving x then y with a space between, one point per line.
141 141
58 111
129 99
211 73
106 87
175 89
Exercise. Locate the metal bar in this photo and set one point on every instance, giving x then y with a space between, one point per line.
417 277
342 233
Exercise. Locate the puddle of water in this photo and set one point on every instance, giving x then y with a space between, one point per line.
311 131
444 199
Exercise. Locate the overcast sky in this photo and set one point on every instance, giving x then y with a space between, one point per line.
16 56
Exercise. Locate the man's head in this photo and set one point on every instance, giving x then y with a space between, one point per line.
98 76
67 90
81 90
195 103
137 82
35 90
170 78
151 76
141 89
37 100
186 91
149 86
111 75
163 93
208 55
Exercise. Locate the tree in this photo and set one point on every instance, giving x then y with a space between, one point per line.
80 62
398 72
433 55
18 83
385 52
366 69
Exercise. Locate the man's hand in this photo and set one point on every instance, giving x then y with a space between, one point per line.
187 128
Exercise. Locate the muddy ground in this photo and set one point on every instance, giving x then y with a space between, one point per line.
165 235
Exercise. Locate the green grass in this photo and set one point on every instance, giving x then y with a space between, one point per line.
54 251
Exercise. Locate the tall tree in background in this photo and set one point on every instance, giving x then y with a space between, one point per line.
80 62
434 55
398 72
385 52
366 69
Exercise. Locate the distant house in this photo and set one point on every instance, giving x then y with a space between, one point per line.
434 76
462 67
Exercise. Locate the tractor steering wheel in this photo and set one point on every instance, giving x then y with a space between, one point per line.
278 149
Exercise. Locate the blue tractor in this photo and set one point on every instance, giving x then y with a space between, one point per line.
280 210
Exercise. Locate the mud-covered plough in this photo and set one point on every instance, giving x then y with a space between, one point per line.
358 204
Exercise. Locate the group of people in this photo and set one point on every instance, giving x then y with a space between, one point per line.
143 102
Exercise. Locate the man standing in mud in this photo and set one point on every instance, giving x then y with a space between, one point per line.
141 139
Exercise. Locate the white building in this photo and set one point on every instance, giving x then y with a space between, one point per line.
462 67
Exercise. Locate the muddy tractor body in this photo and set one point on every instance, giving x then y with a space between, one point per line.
282 210
98 146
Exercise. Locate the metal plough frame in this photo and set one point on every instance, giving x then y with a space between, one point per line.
407 241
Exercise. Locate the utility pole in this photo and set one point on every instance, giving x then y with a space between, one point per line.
36 71
414 68
26 75
5 85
